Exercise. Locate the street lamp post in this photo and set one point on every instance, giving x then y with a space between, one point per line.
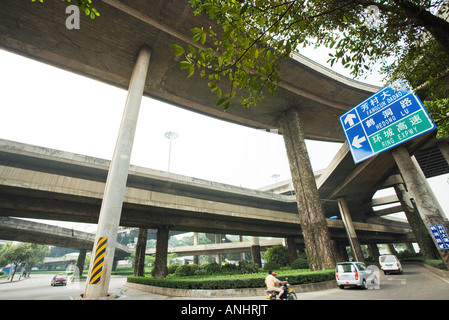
170 135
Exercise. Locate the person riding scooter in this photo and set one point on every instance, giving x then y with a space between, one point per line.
271 281
280 284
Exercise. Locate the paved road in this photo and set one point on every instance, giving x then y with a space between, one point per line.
416 283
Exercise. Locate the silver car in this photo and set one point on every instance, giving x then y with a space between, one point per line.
354 274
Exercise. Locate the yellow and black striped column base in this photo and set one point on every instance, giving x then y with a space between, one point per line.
99 260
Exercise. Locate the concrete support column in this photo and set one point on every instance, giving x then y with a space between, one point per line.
350 230
242 254
141 246
196 241
160 263
410 247
422 236
255 250
392 249
111 207
115 263
428 206
291 247
374 251
339 256
217 255
343 253
311 216
444 148
80 261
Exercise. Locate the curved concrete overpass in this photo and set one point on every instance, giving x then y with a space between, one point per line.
28 231
42 183
105 49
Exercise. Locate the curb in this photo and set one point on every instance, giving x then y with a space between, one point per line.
245 292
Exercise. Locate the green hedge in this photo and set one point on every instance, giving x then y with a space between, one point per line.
234 282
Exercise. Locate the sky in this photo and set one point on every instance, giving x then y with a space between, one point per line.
49 107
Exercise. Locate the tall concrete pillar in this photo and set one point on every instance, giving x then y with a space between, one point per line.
410 247
392 249
139 258
291 247
428 206
350 230
255 250
196 241
160 263
80 261
374 251
444 148
311 215
422 236
217 255
111 207
242 254
341 253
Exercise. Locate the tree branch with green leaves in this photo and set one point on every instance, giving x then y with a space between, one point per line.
85 5
241 57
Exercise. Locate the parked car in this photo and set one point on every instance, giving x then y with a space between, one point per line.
60 279
390 263
353 274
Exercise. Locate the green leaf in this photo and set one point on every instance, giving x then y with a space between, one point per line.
244 8
192 49
185 65
221 101
203 37
196 30
178 49
191 71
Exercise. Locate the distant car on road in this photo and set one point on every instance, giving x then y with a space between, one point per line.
353 274
390 263
59 279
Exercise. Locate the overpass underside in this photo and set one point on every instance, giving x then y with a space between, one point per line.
42 183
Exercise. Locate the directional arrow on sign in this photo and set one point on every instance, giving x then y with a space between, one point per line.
350 118
356 142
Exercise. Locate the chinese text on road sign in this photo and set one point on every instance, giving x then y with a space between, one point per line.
440 236
389 117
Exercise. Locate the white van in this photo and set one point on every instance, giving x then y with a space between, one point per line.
390 263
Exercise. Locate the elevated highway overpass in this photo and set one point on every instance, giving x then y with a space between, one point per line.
42 183
28 231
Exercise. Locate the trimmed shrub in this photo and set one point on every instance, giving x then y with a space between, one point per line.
229 268
210 268
248 267
436 264
186 270
250 281
171 269
278 254
271 265
300 263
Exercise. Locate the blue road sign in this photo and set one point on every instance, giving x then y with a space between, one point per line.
440 236
391 116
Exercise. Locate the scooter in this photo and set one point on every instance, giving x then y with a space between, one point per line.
288 294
